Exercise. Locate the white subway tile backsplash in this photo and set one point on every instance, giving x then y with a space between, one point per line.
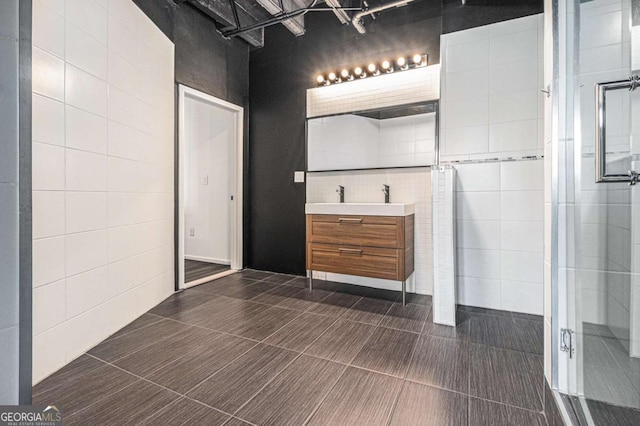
515 47
478 205
123 175
479 263
467 112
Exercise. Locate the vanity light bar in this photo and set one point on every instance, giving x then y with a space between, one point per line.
386 66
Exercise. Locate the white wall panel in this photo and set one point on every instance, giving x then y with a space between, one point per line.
102 174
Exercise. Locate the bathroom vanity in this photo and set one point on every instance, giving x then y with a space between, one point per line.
368 240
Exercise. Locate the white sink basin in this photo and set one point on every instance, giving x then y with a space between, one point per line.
361 209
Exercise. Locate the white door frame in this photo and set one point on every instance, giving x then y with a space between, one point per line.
236 184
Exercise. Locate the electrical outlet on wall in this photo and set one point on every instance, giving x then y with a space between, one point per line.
192 232
298 177
205 180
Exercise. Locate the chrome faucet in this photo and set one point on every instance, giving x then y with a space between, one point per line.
340 191
385 190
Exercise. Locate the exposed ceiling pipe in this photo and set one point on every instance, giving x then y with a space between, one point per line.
341 14
357 18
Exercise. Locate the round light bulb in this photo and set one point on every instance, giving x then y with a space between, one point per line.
344 73
385 65
401 61
320 78
417 59
371 67
332 76
357 70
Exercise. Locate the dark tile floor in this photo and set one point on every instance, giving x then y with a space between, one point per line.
259 348
195 270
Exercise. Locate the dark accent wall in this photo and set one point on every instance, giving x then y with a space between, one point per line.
282 71
204 60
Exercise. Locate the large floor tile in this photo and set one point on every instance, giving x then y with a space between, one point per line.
441 362
462 330
424 405
493 330
359 398
186 412
70 372
486 413
304 300
233 386
277 295
244 290
151 358
408 318
113 349
610 385
301 332
180 302
294 394
254 274
342 341
197 365
387 351
608 414
368 310
502 375
335 305
141 322
279 278
260 323
131 405
529 336
75 394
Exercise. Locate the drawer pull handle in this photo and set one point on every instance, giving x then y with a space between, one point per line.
350 220
350 251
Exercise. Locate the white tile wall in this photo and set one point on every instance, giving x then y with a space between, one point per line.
102 173
490 97
500 235
400 88
406 186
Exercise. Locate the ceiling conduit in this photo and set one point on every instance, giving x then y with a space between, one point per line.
357 18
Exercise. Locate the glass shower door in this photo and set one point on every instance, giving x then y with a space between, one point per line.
605 236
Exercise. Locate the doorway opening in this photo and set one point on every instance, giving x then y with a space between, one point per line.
209 216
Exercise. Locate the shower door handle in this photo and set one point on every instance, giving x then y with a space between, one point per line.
601 127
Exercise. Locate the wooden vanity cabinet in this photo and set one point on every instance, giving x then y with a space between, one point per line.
368 246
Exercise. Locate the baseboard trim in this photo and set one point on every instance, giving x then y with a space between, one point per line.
208 259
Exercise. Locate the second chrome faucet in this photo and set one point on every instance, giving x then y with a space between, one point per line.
340 191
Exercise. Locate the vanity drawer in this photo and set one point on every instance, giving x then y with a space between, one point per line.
371 231
353 260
